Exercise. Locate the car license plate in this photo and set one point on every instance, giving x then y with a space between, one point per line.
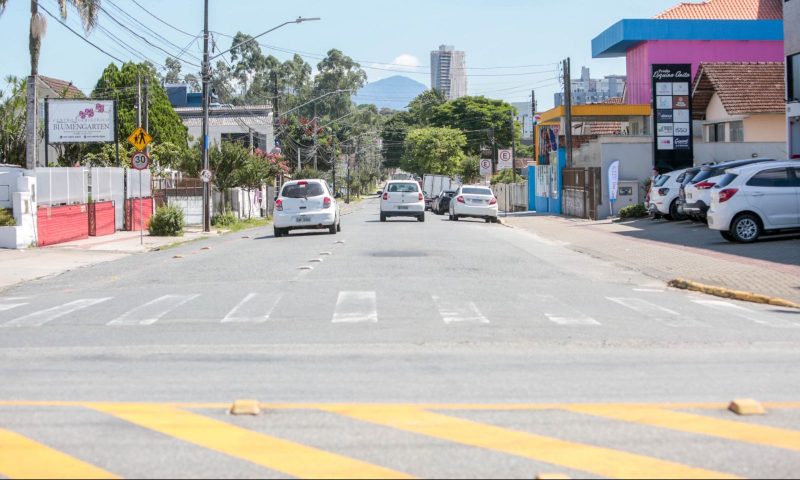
402 208
303 219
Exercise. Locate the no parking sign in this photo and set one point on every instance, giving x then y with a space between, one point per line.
486 167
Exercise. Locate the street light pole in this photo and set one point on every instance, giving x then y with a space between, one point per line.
206 73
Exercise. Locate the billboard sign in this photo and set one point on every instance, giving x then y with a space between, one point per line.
80 121
672 104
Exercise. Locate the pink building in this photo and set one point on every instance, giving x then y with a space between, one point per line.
711 31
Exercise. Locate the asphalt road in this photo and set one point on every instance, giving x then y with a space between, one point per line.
436 349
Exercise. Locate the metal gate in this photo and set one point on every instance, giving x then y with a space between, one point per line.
581 189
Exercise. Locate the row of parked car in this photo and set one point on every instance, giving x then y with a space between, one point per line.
742 199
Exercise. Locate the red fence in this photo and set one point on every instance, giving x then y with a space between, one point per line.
62 224
102 219
133 221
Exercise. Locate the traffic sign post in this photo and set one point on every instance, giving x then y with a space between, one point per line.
206 175
486 167
140 139
505 159
140 161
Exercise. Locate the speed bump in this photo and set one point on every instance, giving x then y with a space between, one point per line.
245 407
747 407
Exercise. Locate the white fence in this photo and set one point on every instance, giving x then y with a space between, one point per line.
511 197
108 185
133 184
62 186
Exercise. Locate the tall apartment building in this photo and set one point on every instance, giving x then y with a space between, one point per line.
590 90
791 18
448 72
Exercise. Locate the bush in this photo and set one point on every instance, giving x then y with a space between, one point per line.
6 218
506 176
167 222
224 219
633 211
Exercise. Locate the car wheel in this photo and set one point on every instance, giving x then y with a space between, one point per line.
339 226
383 217
746 228
278 232
488 219
332 229
421 218
727 236
674 214
455 218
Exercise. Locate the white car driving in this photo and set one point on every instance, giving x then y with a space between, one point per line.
474 202
402 198
757 199
306 204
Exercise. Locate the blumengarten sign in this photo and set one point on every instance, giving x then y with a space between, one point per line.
80 121
672 104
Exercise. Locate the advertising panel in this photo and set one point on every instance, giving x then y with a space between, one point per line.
80 121
672 104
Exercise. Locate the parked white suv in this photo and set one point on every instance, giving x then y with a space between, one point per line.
756 199
402 198
306 204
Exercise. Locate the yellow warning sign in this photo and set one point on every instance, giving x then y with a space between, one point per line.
140 138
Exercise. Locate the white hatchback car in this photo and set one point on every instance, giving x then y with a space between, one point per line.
756 199
402 198
474 202
664 195
306 204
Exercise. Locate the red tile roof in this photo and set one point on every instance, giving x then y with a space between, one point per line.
62 88
744 88
725 10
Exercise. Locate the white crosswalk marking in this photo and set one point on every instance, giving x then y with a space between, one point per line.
747 314
37 319
9 306
459 312
245 310
651 311
152 311
356 307
560 313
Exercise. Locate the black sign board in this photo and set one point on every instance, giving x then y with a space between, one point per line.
673 145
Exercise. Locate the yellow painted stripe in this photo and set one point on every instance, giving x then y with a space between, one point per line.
686 422
21 457
586 458
274 453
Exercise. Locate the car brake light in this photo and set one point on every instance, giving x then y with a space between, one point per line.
704 185
460 199
727 194
493 201
386 196
326 203
279 205
303 184
421 198
663 191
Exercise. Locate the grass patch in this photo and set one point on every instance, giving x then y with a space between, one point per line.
247 224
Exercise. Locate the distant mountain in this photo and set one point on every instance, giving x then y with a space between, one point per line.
393 92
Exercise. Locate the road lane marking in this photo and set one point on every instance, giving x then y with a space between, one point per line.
21 457
267 451
234 317
458 312
37 319
663 315
562 314
152 311
356 307
698 424
747 314
592 459
561 320
9 306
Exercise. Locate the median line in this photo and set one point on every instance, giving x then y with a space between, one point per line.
600 461
267 451
21 457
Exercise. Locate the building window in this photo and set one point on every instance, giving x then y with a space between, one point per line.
793 76
737 131
715 132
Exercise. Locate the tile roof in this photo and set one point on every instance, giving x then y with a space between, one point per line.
743 87
63 88
725 10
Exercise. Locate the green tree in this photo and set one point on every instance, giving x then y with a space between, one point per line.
394 132
506 176
173 73
433 150
423 107
226 163
12 121
470 169
308 173
165 124
337 71
479 118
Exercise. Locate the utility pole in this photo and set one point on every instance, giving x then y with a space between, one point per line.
206 91
568 110
333 163
509 206
314 125
138 100
146 107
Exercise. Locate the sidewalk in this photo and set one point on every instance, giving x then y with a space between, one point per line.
30 264
671 251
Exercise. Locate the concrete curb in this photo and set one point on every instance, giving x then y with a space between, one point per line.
732 294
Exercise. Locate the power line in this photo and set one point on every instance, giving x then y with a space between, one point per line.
78 34
160 20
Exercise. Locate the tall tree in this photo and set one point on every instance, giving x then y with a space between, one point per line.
478 118
12 121
394 132
337 71
423 107
173 74
434 150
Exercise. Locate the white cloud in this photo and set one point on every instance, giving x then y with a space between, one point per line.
403 64
405 61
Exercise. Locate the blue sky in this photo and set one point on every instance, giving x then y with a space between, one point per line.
386 36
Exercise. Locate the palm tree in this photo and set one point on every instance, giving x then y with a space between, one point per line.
87 9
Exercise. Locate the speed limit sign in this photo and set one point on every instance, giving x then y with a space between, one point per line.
140 161
486 167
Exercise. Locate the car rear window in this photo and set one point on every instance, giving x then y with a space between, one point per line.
661 180
476 191
726 180
403 187
303 190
